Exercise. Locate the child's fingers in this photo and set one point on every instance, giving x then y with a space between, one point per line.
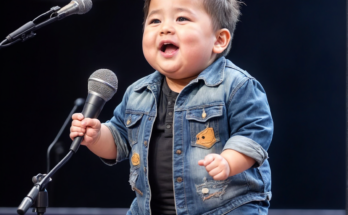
75 134
213 165
77 116
217 163
93 123
216 166
91 135
220 176
91 132
201 162
214 172
77 129
77 123
208 159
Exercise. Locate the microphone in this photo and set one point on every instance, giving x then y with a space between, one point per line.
56 13
74 7
102 85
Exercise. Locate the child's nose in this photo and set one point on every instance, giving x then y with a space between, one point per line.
167 29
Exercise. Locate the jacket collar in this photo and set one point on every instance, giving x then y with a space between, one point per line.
213 75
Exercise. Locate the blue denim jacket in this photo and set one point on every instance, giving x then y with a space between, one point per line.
223 97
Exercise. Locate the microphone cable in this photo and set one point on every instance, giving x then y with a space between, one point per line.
78 102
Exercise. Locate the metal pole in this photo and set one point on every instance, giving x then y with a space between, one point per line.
347 107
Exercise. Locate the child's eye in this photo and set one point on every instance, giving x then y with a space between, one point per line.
182 19
155 21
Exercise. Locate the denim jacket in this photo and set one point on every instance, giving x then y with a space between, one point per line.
223 98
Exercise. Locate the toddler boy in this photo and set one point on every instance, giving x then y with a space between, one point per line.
196 131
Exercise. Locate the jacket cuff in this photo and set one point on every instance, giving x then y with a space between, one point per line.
122 150
247 147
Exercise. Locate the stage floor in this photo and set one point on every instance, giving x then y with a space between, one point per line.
122 211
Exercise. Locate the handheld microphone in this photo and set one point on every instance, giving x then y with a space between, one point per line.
102 85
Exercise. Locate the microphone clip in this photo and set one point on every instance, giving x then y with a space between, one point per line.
37 197
26 31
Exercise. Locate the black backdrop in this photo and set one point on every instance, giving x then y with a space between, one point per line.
296 49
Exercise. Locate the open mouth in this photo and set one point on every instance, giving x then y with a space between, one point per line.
169 48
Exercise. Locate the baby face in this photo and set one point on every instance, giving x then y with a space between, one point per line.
178 38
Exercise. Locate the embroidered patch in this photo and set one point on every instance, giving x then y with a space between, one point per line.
135 159
206 138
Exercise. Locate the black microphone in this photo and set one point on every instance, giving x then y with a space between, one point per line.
102 85
56 13
75 7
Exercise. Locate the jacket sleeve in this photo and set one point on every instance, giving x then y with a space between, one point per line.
250 121
119 132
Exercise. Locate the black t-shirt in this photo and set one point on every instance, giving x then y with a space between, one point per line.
160 155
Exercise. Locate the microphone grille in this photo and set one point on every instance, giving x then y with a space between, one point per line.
84 6
104 83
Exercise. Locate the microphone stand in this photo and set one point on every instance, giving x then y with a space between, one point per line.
26 31
38 195
78 102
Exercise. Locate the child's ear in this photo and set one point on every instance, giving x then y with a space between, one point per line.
223 38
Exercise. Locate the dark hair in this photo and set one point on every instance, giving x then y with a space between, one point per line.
224 14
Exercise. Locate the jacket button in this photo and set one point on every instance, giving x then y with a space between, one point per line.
178 152
145 170
204 114
145 143
205 190
179 179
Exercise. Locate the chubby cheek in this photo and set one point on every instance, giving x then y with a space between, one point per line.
197 49
149 47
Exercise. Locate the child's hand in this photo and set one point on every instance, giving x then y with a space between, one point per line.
89 128
216 166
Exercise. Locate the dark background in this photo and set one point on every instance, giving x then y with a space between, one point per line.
296 49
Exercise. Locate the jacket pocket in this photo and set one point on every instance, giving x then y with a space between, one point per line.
204 126
132 122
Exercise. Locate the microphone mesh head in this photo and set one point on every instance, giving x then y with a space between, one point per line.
104 83
84 6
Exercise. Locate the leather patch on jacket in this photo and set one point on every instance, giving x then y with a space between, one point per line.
138 191
206 138
135 159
